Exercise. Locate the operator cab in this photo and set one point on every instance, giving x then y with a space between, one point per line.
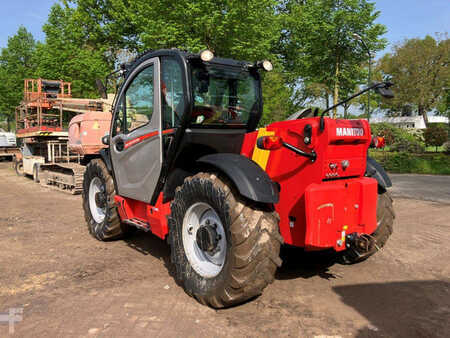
174 107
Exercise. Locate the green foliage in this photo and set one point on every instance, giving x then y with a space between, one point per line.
231 28
419 68
245 30
278 104
310 43
408 144
443 107
399 139
65 54
16 63
318 44
435 164
436 135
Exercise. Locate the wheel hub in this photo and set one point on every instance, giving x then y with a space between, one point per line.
207 238
100 199
204 240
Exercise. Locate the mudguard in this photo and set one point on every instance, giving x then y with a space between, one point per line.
376 171
104 154
248 177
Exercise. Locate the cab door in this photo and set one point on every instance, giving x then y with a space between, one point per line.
136 138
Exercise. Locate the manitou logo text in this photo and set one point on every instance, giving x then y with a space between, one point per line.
349 132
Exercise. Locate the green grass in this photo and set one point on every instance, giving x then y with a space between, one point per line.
406 163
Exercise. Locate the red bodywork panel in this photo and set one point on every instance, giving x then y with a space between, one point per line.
155 216
306 186
320 202
338 208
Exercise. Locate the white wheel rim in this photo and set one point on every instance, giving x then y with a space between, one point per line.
96 186
206 265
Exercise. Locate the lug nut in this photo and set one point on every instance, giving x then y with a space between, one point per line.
190 230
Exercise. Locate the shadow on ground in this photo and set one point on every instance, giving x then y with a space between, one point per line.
296 262
148 244
401 309
300 264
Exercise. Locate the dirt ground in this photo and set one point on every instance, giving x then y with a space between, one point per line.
69 284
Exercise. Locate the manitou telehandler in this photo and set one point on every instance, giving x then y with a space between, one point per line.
186 162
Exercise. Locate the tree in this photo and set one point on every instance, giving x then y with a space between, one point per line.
435 135
231 28
245 30
419 69
66 54
16 64
317 42
279 98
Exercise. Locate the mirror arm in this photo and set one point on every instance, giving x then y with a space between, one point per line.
373 86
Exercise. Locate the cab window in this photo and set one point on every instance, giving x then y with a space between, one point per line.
136 106
172 96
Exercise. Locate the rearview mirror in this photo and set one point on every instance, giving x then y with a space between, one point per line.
101 89
105 140
385 91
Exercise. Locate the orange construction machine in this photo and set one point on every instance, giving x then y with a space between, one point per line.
60 134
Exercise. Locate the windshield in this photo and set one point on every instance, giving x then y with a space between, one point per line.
223 95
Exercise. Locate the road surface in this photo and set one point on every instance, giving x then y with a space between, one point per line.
423 187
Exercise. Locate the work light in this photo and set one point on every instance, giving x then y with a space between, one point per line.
206 55
267 65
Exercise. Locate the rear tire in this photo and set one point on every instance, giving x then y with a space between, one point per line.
102 219
252 242
18 167
385 223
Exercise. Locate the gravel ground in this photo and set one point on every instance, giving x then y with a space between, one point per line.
69 284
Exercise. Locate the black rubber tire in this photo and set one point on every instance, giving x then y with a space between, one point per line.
253 240
18 167
36 172
385 227
111 228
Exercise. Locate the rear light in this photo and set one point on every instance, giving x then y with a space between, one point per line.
377 142
269 142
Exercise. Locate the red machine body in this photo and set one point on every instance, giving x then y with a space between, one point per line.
321 201
149 217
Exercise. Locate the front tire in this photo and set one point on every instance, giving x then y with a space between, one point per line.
36 172
242 254
18 167
385 223
100 211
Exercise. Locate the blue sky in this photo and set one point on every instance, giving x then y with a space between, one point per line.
403 18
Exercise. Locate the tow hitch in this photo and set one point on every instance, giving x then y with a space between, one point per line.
360 246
